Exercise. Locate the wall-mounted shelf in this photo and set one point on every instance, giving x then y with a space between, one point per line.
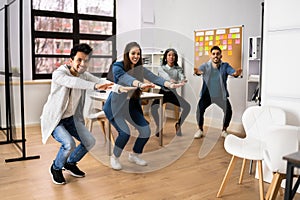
153 61
253 71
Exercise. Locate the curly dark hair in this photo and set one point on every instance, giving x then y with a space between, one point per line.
85 48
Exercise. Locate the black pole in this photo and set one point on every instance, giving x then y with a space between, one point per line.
7 78
22 91
261 52
21 79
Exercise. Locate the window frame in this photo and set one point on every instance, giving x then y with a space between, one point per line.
75 35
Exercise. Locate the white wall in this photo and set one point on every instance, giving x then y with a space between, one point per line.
171 23
174 25
35 96
280 83
128 24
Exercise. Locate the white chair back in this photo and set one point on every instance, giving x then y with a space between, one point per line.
256 119
280 141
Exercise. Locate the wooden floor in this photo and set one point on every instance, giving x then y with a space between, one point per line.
183 169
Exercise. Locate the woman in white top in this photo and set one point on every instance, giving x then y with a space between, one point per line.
171 71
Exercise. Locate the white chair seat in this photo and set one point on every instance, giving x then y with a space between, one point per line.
99 114
249 147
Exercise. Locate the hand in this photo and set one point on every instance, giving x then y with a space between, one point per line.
103 86
176 85
147 86
197 72
237 72
126 89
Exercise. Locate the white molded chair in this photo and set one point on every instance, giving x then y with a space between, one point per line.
255 120
92 113
280 141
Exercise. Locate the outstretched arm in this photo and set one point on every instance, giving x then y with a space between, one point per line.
237 72
103 86
197 72
173 85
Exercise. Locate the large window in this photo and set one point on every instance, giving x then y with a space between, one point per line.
57 25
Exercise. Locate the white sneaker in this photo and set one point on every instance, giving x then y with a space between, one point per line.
224 134
134 158
198 134
115 163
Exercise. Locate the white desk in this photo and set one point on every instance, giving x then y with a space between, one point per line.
145 96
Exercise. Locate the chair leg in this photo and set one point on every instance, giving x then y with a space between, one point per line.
176 112
89 124
227 175
281 191
242 171
261 181
276 187
112 139
102 124
164 110
271 186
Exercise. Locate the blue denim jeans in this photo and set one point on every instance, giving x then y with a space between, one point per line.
68 152
134 115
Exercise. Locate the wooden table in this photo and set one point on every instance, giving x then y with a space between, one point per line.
293 160
145 96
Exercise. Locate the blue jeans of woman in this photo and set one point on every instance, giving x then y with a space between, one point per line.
134 115
68 152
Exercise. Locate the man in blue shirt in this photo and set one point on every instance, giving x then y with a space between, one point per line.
214 88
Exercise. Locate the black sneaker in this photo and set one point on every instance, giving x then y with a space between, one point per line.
74 170
57 176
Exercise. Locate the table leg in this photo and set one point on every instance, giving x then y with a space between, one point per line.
160 122
289 181
295 187
109 139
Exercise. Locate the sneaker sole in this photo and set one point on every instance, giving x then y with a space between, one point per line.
117 169
132 161
57 183
198 137
71 173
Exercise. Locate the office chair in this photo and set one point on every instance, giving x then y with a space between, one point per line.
255 120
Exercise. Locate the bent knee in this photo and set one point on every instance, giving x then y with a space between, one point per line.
69 146
90 143
145 132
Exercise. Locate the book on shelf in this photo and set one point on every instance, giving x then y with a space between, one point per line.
254 78
255 94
